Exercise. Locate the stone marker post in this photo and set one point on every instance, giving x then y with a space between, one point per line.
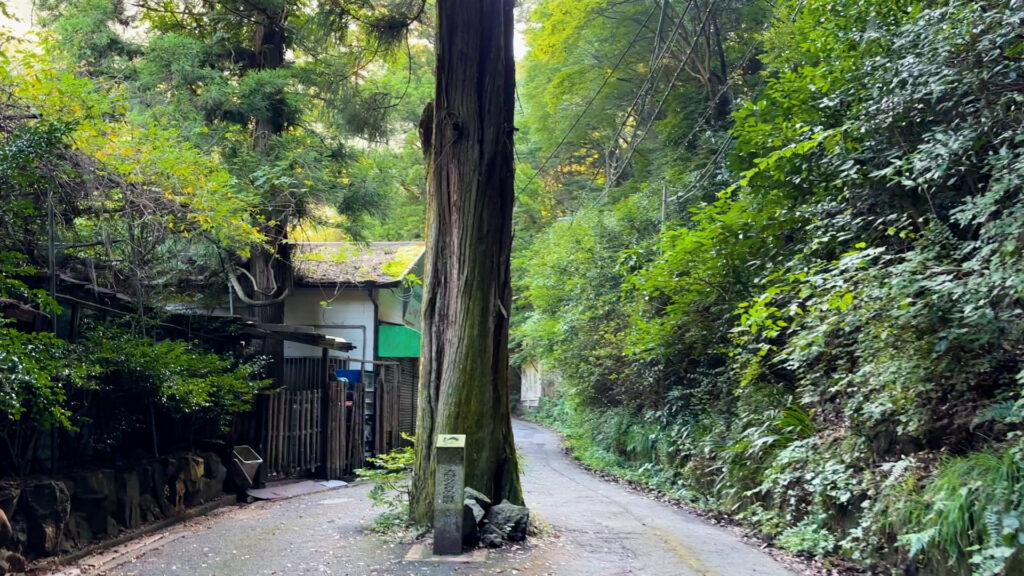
448 493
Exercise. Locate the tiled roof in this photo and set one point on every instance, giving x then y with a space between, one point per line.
351 263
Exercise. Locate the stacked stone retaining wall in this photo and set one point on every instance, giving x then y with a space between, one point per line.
43 517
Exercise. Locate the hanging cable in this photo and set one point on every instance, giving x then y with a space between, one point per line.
642 134
590 103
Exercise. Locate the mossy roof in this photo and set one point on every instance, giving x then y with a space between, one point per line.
373 263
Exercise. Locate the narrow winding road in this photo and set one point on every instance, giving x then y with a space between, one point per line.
599 529
609 529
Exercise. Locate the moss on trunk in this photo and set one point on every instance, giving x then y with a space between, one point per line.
464 370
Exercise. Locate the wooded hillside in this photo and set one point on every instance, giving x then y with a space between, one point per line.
774 252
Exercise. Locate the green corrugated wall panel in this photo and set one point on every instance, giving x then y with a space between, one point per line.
397 342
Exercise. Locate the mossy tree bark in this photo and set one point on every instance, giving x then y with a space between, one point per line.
468 147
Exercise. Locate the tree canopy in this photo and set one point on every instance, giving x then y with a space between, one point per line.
156 151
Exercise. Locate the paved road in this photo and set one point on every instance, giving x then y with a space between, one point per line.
599 529
608 529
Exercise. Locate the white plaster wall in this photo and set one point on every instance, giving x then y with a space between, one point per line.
349 307
392 306
529 395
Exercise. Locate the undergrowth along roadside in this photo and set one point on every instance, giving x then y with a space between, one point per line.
971 498
389 474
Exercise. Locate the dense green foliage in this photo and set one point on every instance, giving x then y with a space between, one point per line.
129 197
145 154
772 250
825 336
276 91
179 377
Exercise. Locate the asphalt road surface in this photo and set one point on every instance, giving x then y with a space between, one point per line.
598 528
604 528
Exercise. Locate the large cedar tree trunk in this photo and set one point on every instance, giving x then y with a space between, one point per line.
464 369
270 265
271 270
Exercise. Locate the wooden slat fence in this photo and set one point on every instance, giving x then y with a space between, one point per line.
356 427
386 435
336 443
309 430
303 373
293 432
294 428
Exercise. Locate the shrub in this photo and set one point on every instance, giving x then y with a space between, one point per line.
390 474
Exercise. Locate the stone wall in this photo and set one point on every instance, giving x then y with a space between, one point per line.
51 516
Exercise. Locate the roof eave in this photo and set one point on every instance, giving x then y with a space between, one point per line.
332 283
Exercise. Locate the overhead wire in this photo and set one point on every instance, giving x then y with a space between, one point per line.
705 172
631 148
714 101
708 169
593 99
657 57
668 90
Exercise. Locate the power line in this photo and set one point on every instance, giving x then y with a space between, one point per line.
657 57
593 99
638 139
714 101
661 102
707 170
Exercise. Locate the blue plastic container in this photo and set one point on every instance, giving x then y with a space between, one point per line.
351 375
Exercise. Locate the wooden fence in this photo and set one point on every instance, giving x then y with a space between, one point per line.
355 428
386 435
296 442
337 444
304 373
293 432
308 430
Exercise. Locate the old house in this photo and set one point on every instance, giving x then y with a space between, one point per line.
369 295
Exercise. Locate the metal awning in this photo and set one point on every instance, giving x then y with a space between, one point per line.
300 334
395 341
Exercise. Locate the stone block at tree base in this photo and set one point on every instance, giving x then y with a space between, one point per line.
472 514
504 522
449 495
475 506
483 501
